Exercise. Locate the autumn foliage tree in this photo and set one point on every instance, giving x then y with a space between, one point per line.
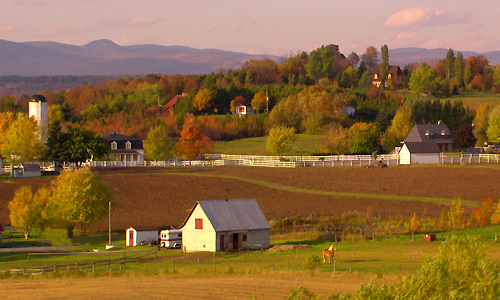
79 198
259 101
193 142
27 210
203 99
280 139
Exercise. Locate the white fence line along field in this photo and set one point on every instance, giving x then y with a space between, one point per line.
215 160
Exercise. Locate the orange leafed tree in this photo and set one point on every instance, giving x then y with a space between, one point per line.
482 213
193 142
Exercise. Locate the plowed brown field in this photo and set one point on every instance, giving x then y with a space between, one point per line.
164 196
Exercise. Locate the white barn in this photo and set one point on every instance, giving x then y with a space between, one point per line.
141 235
28 170
419 153
218 225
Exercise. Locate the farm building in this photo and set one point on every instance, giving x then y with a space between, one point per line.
220 225
28 170
244 109
125 148
438 134
141 235
419 153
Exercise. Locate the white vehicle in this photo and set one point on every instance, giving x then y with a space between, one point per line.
169 238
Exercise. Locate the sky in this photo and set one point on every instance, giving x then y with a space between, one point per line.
275 27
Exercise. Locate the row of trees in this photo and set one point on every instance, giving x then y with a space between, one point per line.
74 198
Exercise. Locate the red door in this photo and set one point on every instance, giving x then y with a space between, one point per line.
131 238
222 248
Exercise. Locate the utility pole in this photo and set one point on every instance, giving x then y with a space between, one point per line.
109 240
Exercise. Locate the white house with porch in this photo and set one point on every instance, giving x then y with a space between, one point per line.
218 225
125 148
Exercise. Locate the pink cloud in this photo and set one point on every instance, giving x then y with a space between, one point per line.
142 20
6 29
423 16
50 31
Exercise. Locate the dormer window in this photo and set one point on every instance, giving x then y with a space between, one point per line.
389 76
376 76
128 145
113 145
429 134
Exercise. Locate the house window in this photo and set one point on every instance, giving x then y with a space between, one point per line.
244 238
376 76
128 145
113 145
198 223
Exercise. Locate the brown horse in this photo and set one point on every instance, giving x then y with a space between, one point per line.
329 253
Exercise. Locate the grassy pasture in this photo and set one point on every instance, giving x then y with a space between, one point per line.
259 274
473 100
305 145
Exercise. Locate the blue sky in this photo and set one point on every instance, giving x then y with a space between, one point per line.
275 27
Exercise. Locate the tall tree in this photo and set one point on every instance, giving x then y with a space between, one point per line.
384 66
79 198
364 138
481 123
370 57
400 126
352 60
56 141
493 131
458 69
27 211
203 99
158 145
259 101
280 139
320 62
193 142
450 62
335 140
82 145
464 137
422 79
21 142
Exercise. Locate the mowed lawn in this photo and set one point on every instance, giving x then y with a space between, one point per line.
306 144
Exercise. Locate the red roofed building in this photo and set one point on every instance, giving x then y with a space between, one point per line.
168 109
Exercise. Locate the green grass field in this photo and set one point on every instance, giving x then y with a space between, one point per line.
473 100
305 145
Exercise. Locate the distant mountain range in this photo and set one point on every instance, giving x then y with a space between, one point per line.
104 57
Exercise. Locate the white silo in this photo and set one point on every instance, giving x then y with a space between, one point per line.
39 109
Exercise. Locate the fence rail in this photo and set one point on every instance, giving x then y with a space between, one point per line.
81 266
215 160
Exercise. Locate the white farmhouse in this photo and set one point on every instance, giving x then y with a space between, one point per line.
419 153
141 235
220 225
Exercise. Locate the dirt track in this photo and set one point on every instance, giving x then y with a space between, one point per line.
161 197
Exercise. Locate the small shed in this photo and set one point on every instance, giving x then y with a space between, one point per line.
218 225
244 109
419 153
28 170
141 235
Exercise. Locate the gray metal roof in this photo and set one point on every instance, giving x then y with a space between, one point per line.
417 147
234 214
421 132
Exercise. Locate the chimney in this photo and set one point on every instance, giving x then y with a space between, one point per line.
440 122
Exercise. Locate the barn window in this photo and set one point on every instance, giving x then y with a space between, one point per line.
244 238
198 223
